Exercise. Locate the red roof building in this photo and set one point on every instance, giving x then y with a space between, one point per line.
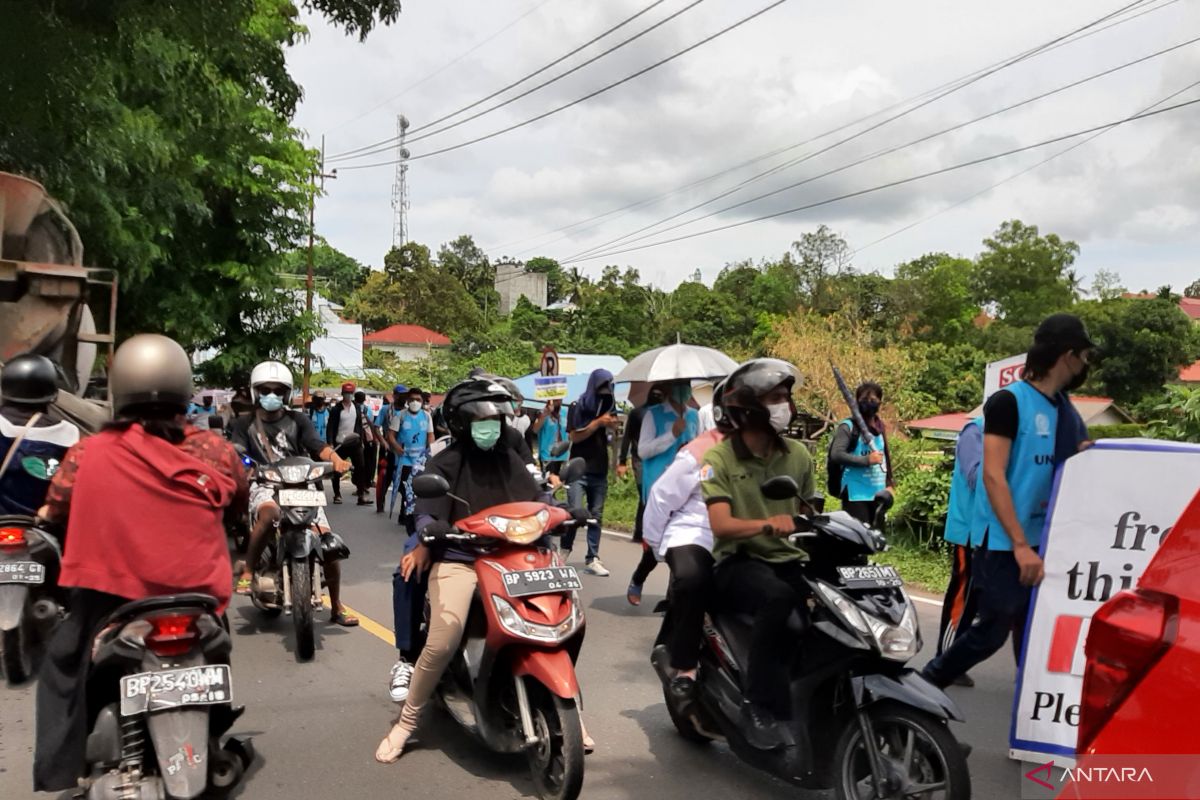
406 342
1093 410
1188 305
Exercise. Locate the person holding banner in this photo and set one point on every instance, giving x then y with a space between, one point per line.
1020 452
551 428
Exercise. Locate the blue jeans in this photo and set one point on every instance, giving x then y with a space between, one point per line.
408 608
596 489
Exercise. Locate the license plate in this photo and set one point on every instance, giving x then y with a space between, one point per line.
173 688
541 581
873 576
301 497
22 572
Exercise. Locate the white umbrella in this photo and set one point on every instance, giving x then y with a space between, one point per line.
677 362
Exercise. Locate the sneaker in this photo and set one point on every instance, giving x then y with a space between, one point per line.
401 676
759 727
594 567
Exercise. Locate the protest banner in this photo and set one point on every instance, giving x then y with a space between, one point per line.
550 387
1111 507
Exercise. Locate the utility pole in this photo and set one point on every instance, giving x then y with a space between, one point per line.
308 281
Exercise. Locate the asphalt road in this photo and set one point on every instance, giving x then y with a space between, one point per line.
316 725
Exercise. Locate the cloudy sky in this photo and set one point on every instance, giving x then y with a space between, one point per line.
1131 197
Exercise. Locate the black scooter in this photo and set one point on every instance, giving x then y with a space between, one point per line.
864 726
31 603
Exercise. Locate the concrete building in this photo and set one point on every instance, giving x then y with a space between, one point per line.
513 282
406 342
341 348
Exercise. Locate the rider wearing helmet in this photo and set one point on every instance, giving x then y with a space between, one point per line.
758 570
32 446
275 432
143 501
484 470
676 530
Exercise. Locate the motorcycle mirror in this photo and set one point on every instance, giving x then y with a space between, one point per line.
350 440
430 487
781 487
573 471
816 503
558 448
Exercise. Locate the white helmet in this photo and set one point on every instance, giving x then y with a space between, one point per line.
270 372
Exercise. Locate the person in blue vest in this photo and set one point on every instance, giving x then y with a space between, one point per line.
32 446
1020 441
551 428
666 427
866 468
410 435
386 469
319 414
958 608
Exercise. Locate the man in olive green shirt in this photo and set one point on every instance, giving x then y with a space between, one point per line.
758 570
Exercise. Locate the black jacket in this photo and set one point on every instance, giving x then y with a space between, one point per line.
335 417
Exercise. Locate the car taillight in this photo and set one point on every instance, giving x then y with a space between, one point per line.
173 634
1128 635
12 537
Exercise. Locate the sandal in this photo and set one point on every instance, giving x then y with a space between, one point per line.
388 752
345 620
244 585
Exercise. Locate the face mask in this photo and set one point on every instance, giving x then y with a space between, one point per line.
414 406
270 402
781 416
1079 379
347 398
869 408
681 394
485 433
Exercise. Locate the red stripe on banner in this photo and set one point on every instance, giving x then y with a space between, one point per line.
1064 643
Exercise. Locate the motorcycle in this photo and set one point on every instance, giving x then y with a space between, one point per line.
31 603
160 693
289 577
864 725
512 681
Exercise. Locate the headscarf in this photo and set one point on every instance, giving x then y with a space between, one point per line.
591 404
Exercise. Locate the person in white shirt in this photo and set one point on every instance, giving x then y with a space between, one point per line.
677 530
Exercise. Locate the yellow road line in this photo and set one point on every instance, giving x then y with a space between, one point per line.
366 623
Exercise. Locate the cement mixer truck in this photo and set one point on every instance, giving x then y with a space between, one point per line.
53 305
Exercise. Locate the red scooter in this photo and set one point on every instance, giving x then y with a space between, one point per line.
512 681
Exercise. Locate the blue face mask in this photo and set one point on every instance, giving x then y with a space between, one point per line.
270 402
485 433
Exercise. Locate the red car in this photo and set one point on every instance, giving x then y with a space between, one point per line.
1143 656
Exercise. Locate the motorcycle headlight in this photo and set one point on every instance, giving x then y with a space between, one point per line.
294 473
316 472
846 608
897 642
517 625
271 474
522 530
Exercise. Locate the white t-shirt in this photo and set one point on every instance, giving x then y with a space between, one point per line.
346 422
521 424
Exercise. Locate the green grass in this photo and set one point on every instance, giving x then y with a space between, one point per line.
920 567
620 509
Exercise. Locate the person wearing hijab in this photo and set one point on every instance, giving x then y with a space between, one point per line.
590 422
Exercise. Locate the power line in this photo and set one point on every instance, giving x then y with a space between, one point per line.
586 97
439 70
1016 175
1037 51
891 184
633 237
379 146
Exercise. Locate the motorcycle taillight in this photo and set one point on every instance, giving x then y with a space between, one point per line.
173 634
12 537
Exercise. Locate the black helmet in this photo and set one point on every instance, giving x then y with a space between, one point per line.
742 391
30 379
720 415
509 386
474 398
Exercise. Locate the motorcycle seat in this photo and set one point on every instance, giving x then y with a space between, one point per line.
163 602
737 628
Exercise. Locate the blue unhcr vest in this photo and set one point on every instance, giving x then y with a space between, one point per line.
863 483
962 497
1030 472
413 437
662 418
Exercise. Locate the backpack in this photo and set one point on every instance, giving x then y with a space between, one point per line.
834 470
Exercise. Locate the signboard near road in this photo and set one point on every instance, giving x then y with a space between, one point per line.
1112 505
550 387
1000 374
549 365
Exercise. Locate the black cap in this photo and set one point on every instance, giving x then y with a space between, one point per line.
1063 332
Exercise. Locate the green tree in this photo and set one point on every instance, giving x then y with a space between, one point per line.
1023 275
339 273
465 261
166 131
412 290
820 256
1106 285
530 323
556 278
933 294
1193 289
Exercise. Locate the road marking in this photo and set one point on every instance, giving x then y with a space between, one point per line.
366 623
629 538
